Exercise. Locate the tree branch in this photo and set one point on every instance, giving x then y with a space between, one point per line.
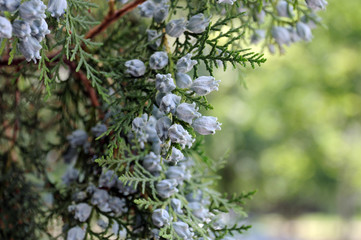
112 17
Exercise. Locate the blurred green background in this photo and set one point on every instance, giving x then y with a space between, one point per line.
295 133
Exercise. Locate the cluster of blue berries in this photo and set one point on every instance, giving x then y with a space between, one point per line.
302 31
108 197
162 133
31 26
165 129
284 35
158 10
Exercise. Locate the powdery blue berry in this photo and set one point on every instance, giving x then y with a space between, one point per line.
32 10
204 85
21 29
197 23
166 188
151 163
57 7
30 48
99 129
100 199
117 205
160 218
107 179
206 125
164 83
176 204
158 60
9 5
139 123
78 138
284 9
157 147
176 27
176 156
161 13
91 189
258 36
317 4
185 63
75 233
150 130
304 31
157 113
154 39
5 28
182 230
294 35
162 126
135 67
178 173
198 210
147 8
178 134
81 211
158 98
281 35
169 103
183 80
39 28
70 176
187 112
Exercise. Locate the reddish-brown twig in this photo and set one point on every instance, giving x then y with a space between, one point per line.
112 17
